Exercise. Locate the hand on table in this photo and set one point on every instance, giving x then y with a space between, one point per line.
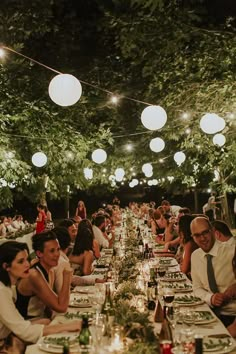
217 299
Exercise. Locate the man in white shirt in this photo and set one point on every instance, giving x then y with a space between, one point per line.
172 210
223 233
221 255
99 228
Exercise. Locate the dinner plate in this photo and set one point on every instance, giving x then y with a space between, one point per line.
218 345
174 276
179 287
80 303
188 300
49 343
202 317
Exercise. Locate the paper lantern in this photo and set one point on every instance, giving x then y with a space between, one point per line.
157 144
65 90
179 157
148 174
153 117
119 173
219 139
88 173
147 167
99 156
39 159
211 123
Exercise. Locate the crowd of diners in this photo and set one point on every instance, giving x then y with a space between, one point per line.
33 287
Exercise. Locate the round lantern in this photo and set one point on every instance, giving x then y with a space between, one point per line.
179 157
148 174
219 139
153 117
39 159
65 90
157 144
99 156
146 168
211 123
88 173
119 173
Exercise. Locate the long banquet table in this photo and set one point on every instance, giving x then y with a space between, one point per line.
208 329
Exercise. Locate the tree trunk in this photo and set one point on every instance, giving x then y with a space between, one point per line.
196 206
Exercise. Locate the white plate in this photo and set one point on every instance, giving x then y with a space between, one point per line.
54 348
75 303
202 321
188 303
218 345
172 278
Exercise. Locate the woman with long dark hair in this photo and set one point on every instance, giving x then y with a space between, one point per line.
14 265
85 248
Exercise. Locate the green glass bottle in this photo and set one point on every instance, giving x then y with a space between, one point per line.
66 349
85 335
108 310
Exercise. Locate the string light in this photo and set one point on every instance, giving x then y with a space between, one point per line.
114 99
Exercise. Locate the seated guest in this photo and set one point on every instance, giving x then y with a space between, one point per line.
83 251
172 210
230 294
14 265
63 238
189 246
35 293
222 232
81 210
99 228
71 226
211 270
3 226
18 222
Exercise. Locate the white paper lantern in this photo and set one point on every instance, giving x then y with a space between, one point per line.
153 117
88 173
131 185
219 139
39 159
148 174
119 173
157 144
211 123
65 90
99 156
134 181
150 183
179 157
147 167
154 182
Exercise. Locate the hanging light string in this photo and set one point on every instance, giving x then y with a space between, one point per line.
82 81
95 86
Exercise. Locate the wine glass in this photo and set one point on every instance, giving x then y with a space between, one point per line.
168 296
161 271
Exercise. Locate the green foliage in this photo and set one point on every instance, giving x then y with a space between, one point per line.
170 53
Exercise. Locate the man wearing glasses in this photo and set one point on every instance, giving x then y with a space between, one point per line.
211 270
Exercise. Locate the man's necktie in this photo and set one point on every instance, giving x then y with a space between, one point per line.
211 275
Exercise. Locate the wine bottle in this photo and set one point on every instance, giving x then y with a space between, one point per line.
85 335
152 290
108 310
66 349
198 344
146 252
166 333
140 245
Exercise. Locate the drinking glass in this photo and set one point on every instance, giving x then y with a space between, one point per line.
168 296
161 271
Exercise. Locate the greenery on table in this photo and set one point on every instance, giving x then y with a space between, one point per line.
20 233
126 290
